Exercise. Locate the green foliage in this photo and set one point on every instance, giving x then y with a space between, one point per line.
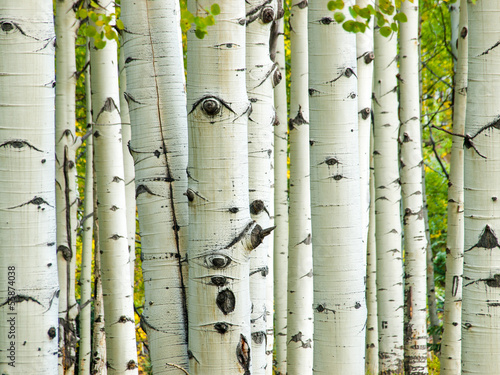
99 26
201 23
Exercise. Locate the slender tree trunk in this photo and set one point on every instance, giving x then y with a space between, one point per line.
85 349
221 233
387 206
66 205
29 288
157 100
415 242
481 276
260 69
115 268
338 252
300 282
451 341
280 247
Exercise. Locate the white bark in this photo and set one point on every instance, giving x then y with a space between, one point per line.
220 229
415 242
66 144
454 10
28 268
451 341
157 100
300 281
280 263
260 69
481 274
85 349
118 300
128 167
387 206
338 251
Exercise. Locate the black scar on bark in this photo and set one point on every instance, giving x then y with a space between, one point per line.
365 113
131 365
234 210
488 239
143 189
369 57
267 15
243 354
211 105
125 319
322 308
494 282
489 49
217 261
218 280
264 271
331 161
109 106
259 337
7 26
52 332
221 327
65 252
19 143
226 301
297 120
464 32
326 20
258 234
20 298
36 201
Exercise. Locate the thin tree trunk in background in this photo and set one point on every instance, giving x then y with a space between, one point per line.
85 331
157 101
300 282
259 17
280 247
451 341
221 233
28 263
454 10
387 206
66 204
115 259
481 275
338 251
411 161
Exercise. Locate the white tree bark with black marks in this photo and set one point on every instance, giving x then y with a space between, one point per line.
115 260
338 252
451 341
66 205
387 206
280 260
300 281
411 160
481 274
261 70
28 264
157 101
221 232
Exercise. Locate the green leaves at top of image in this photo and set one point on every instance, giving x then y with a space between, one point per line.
335 4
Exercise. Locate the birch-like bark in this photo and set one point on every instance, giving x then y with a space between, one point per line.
260 73
115 268
157 101
387 206
221 233
454 10
451 341
28 263
66 144
411 160
85 349
338 252
481 274
280 263
300 281
128 167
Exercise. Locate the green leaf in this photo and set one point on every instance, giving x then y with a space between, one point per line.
331 6
371 9
401 17
120 25
349 26
187 15
93 16
365 13
385 31
210 20
91 31
93 4
380 19
394 26
99 43
200 22
353 12
215 9
335 4
82 14
339 17
200 34
361 26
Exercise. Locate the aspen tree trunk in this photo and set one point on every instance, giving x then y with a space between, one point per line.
454 10
338 252
300 282
28 264
221 233
371 283
157 100
387 206
451 341
66 144
115 268
280 247
481 274
85 348
415 242
260 73
128 167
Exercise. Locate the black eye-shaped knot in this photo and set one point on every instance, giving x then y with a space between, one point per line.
267 15
211 106
7 26
217 261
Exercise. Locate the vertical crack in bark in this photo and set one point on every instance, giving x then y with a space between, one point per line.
169 175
